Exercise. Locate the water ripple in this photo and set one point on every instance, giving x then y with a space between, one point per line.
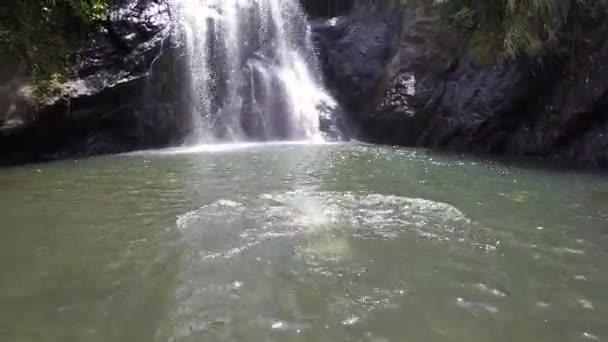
328 216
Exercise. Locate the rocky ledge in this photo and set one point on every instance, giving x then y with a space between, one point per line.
125 94
407 81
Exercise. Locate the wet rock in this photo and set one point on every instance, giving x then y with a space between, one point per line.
354 53
419 84
126 94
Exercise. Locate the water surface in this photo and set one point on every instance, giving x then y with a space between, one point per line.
295 242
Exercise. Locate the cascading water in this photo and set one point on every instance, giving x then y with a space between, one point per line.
254 74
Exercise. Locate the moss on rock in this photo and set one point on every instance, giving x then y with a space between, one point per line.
508 28
44 35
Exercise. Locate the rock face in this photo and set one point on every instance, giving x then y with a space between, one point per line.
406 81
355 52
126 94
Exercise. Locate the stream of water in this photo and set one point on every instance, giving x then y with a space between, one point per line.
300 242
254 73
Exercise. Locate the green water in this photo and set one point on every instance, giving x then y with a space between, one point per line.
301 243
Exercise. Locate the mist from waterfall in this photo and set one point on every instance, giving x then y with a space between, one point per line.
254 73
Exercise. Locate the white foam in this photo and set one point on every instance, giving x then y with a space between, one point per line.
585 303
262 45
228 147
493 291
327 219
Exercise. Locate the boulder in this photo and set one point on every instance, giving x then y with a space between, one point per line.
126 94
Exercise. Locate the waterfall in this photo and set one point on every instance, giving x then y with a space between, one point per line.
254 73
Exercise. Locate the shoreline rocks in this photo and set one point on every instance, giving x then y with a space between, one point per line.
428 90
126 94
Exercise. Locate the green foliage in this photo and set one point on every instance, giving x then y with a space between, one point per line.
43 34
92 11
511 27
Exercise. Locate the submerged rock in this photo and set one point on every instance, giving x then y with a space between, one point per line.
408 80
125 94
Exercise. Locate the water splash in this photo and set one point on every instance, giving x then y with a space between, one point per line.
323 221
254 74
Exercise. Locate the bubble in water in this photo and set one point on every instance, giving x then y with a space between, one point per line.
590 336
585 303
278 325
566 250
493 291
461 302
351 320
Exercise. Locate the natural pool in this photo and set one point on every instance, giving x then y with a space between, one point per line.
296 242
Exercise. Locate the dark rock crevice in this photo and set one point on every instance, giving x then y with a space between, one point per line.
327 8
